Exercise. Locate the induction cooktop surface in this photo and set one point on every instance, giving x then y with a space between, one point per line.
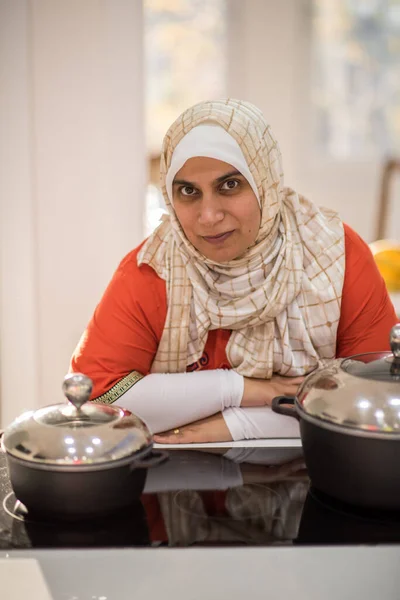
208 497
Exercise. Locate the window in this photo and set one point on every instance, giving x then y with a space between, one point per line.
355 87
185 53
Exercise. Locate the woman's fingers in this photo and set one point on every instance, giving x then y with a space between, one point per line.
286 382
288 385
175 436
260 392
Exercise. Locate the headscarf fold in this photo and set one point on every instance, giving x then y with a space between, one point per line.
282 297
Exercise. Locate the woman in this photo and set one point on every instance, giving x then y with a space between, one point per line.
241 291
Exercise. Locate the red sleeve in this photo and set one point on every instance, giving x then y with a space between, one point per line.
367 313
123 334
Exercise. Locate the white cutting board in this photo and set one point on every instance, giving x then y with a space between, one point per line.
22 579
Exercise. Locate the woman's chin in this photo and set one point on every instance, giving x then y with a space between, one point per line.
221 253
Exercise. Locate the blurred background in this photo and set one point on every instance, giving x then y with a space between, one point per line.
88 89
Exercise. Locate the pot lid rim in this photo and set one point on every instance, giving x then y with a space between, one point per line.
81 468
358 431
69 442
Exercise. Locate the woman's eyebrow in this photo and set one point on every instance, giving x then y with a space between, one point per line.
227 175
218 180
183 182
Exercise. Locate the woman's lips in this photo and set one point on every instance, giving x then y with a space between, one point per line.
217 239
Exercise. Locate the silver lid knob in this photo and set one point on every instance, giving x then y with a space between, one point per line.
395 340
77 388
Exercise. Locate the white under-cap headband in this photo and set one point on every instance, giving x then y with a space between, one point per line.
211 141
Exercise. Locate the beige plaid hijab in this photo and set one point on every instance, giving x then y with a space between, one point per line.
282 298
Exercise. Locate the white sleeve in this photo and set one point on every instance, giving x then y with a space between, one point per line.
168 400
259 422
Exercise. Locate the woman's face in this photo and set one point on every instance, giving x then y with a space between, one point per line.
216 207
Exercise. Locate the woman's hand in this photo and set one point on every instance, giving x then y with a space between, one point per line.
259 392
211 429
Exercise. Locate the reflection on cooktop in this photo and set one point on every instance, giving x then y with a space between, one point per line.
329 521
215 497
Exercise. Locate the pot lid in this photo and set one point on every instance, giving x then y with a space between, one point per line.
360 392
77 432
377 366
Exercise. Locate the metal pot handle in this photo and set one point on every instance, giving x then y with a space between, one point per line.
284 405
157 457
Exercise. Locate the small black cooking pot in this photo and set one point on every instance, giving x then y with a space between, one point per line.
80 492
349 417
358 469
78 459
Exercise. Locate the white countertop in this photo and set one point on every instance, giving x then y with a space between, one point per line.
285 573
270 443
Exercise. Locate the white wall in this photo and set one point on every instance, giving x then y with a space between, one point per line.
72 178
270 66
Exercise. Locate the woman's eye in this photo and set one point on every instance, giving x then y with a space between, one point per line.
187 190
231 184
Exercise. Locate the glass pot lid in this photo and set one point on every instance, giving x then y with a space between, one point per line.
77 432
359 392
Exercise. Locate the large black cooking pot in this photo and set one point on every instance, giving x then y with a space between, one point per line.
349 415
78 459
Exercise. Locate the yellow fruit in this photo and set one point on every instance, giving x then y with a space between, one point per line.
387 257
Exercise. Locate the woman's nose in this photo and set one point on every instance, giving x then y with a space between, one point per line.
211 211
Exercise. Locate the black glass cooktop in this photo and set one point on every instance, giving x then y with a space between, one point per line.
215 497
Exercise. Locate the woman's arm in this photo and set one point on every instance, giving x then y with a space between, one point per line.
167 401
233 424
238 423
